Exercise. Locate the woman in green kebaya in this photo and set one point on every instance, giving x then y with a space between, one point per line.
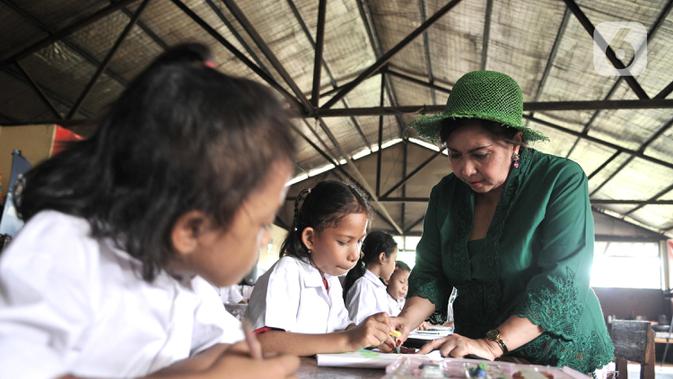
511 228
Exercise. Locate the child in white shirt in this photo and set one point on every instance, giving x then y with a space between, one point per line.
297 305
365 288
398 286
109 276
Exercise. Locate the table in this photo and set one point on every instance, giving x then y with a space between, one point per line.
308 368
663 337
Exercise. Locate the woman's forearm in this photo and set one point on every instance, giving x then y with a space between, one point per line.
416 310
518 331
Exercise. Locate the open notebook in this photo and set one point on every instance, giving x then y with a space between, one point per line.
364 359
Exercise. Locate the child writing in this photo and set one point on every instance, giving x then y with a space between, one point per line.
398 285
365 287
297 305
109 277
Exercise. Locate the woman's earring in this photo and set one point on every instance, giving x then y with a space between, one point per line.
516 160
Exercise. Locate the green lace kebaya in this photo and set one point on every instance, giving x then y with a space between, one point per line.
534 262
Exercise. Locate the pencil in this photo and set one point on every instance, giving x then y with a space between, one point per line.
396 334
250 339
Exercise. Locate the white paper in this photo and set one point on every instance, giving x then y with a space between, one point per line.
365 359
430 334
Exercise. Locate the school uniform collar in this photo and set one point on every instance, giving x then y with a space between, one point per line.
313 277
374 279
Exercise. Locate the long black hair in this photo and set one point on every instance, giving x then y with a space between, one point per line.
320 207
376 242
182 136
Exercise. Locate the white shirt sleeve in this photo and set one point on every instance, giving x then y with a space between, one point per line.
47 277
283 295
212 323
361 300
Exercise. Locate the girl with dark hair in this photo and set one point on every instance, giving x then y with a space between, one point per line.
297 306
109 277
365 288
398 286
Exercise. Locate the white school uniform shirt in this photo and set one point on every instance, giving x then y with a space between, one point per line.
73 304
395 305
291 296
230 294
366 297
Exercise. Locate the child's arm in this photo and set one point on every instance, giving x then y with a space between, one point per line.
372 332
231 361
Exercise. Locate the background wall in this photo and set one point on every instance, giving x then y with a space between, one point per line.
627 303
34 141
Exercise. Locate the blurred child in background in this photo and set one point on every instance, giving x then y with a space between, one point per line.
365 288
398 285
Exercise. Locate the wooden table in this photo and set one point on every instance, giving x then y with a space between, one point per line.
309 369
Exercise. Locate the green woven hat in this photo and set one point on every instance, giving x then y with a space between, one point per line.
483 95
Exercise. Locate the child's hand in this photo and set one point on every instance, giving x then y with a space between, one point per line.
373 331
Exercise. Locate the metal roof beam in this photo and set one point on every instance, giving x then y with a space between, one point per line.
528 106
71 45
146 29
60 34
237 53
609 52
650 34
381 61
375 42
413 172
486 35
413 225
333 82
270 56
236 34
39 92
604 164
320 43
598 141
434 87
426 53
652 199
106 60
385 216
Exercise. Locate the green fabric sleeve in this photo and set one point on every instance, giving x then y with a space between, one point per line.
427 279
563 254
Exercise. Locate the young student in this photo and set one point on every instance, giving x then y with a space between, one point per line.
398 285
109 277
297 305
365 286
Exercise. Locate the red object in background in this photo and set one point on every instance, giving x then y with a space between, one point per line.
62 138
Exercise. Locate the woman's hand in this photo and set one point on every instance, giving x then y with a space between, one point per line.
373 331
457 346
402 326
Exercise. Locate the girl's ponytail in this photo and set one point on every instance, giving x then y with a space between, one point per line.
293 244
